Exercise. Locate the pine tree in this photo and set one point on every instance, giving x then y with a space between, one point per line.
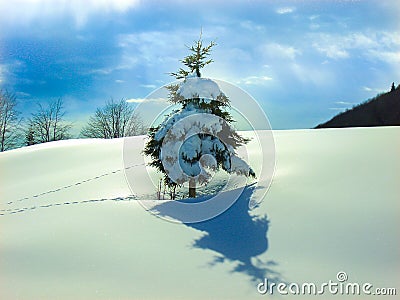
197 137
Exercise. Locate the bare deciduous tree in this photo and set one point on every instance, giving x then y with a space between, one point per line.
48 123
9 121
114 120
136 126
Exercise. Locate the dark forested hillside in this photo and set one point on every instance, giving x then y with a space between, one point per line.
382 110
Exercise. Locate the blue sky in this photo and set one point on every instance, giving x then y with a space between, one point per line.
303 61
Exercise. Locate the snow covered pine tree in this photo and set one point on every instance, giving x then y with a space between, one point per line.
196 138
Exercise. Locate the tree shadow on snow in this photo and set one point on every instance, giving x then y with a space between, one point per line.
236 235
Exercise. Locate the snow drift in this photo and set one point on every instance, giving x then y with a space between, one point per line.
70 228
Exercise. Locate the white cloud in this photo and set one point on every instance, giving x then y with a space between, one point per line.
126 62
390 57
362 40
255 80
332 51
312 74
101 71
279 50
374 90
344 103
151 47
24 11
285 10
141 100
159 50
7 72
149 86
383 46
249 25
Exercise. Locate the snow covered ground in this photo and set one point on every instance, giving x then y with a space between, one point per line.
70 229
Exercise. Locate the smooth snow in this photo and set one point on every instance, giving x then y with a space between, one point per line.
333 206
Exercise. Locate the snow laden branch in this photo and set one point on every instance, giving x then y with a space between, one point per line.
197 139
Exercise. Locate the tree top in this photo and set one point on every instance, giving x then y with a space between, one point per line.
197 60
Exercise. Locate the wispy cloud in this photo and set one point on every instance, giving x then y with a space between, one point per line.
285 10
24 11
141 100
255 80
8 72
374 89
280 50
100 71
125 63
22 95
332 51
249 25
158 52
149 86
374 45
390 56
314 74
150 47
344 103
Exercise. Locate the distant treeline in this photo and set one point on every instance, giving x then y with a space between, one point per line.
47 123
382 110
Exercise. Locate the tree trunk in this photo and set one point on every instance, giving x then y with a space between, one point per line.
192 188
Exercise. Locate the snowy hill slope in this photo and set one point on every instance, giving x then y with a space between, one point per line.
69 228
